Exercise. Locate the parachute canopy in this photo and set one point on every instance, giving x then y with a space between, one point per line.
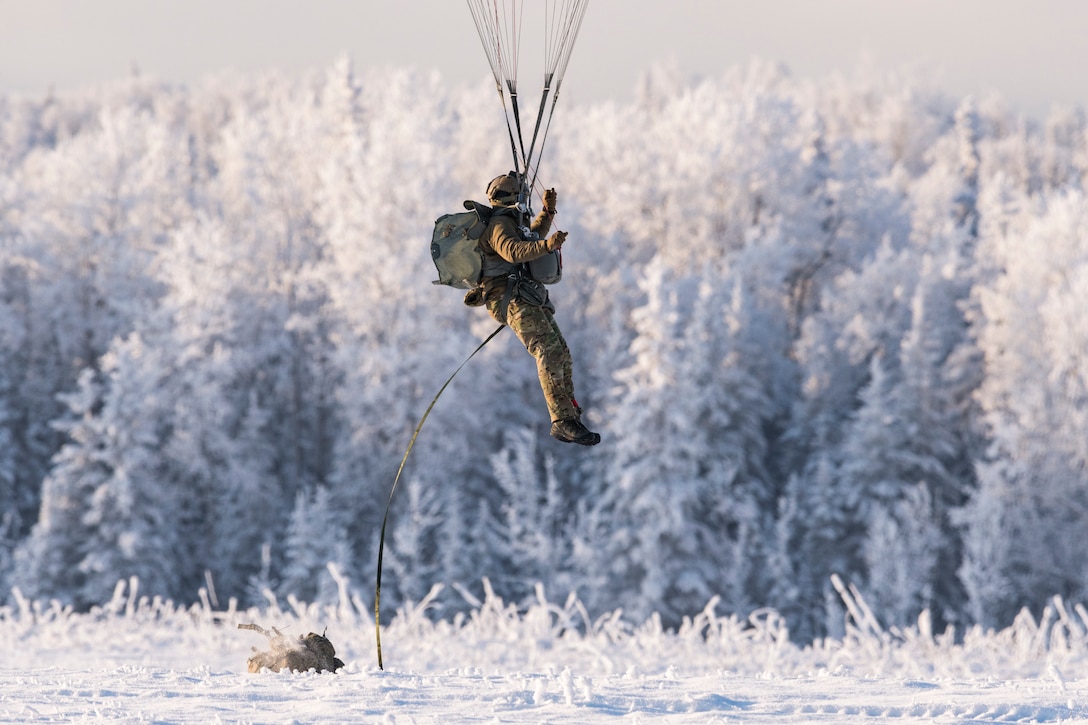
499 23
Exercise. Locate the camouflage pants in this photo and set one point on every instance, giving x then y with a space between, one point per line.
536 328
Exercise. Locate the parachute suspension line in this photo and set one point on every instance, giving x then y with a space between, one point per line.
489 38
514 43
539 118
389 503
499 28
509 126
499 23
544 139
510 130
487 28
563 30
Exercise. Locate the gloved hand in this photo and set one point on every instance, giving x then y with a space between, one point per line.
474 297
549 201
555 241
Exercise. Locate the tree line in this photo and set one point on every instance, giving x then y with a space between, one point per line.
828 327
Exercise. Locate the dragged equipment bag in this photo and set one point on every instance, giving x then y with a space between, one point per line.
455 246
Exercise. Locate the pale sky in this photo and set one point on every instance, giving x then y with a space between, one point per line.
1034 53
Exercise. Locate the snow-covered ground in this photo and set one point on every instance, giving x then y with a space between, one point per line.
88 691
141 661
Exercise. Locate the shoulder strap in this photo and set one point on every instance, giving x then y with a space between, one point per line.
483 216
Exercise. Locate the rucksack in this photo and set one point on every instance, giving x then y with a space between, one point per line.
455 246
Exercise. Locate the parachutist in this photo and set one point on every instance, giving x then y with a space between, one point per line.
515 295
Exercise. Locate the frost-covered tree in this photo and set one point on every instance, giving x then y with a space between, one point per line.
910 431
689 488
813 515
91 185
1065 150
902 547
316 537
1033 401
11 517
537 518
47 563
129 525
105 516
412 551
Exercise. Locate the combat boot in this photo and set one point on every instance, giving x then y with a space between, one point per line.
571 430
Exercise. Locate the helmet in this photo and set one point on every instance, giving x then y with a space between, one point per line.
504 190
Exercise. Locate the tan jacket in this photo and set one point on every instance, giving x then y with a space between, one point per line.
501 239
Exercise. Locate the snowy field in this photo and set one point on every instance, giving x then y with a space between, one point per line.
140 661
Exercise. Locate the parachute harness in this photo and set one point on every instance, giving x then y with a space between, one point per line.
499 24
